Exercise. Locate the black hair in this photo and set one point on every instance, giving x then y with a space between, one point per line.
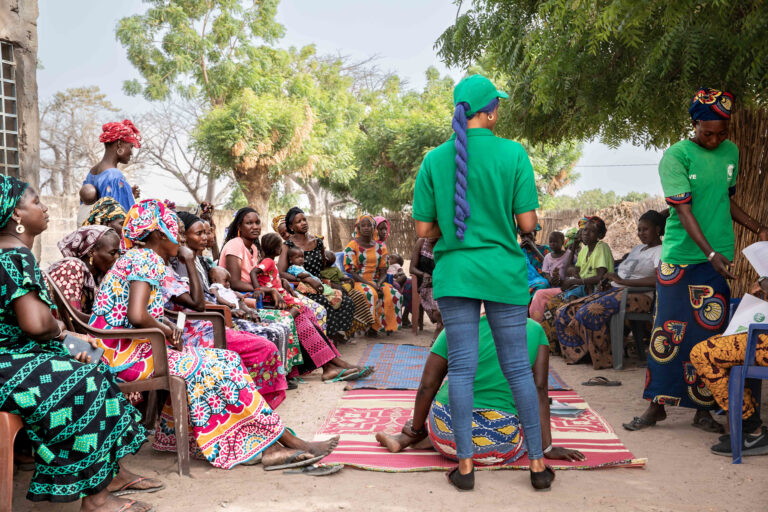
188 219
233 230
292 213
558 234
271 244
602 230
655 218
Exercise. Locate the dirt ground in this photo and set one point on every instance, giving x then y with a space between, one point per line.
681 474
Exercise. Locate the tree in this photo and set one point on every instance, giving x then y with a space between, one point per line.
167 144
269 112
70 124
625 70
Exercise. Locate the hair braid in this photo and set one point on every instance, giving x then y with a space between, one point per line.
460 196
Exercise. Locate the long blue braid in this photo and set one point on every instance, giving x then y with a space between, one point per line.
459 123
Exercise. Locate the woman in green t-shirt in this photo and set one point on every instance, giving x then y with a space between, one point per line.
698 176
474 206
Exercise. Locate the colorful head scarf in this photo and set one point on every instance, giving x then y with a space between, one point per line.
147 216
378 220
124 131
711 105
361 219
79 243
11 191
570 236
280 219
104 211
583 222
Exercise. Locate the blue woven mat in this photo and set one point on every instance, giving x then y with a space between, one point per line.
400 367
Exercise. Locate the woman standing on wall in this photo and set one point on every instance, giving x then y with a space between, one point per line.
475 207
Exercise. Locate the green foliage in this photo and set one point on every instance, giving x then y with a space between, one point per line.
617 69
594 199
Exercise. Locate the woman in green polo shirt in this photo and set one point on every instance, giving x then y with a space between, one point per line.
698 176
473 192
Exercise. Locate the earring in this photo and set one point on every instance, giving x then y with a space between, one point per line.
20 228
490 117
90 259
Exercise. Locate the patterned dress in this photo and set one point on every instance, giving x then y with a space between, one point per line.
231 421
339 320
387 310
79 422
75 281
317 349
260 356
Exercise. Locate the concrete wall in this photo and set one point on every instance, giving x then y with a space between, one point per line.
18 25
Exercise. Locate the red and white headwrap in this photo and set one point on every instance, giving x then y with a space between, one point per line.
124 131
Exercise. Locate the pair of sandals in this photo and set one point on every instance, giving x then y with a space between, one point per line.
308 467
348 374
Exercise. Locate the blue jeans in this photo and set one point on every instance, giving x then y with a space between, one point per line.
461 318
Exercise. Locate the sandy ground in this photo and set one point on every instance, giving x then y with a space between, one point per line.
681 474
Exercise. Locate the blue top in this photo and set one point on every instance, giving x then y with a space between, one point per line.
112 183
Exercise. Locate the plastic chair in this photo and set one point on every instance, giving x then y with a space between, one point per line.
161 379
637 320
738 376
10 424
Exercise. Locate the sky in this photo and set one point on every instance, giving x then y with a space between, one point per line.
77 48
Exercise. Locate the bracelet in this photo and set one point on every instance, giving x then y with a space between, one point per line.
711 255
415 433
548 449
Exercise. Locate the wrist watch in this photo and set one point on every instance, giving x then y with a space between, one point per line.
761 279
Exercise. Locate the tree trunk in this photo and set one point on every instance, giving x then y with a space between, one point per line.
257 187
749 130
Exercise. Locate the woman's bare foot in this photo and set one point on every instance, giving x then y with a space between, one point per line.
277 454
125 477
105 502
395 443
315 448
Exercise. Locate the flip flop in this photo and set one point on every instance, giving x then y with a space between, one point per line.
315 470
601 381
344 375
638 423
129 506
366 371
125 490
292 463
708 424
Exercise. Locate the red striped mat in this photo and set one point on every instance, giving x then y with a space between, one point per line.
362 413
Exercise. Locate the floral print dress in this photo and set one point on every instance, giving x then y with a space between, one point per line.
231 421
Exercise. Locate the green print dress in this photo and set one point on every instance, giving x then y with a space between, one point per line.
79 422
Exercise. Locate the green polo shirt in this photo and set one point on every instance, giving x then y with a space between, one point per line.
489 263
491 387
687 168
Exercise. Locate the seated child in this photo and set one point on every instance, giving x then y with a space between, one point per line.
266 275
309 283
395 263
88 195
226 296
333 274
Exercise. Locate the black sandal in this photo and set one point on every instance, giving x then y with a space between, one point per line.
462 483
542 480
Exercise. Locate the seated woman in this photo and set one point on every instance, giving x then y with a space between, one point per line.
231 422
274 325
402 284
713 359
422 266
89 253
592 263
78 421
542 297
340 320
365 259
317 350
582 326
495 426
107 212
241 254
534 252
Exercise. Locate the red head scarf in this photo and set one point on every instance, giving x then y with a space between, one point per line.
124 131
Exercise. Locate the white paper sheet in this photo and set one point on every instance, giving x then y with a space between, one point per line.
757 254
751 311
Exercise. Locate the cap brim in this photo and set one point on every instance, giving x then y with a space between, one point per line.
501 94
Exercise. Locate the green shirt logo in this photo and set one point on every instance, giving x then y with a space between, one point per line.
759 317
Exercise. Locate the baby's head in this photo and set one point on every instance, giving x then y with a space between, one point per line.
271 244
295 256
330 259
219 275
89 194
396 259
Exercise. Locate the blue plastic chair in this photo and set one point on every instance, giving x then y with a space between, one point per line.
340 262
738 375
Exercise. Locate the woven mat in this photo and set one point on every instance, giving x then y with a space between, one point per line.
362 413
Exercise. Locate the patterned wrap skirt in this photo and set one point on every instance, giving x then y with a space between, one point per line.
692 304
79 422
496 435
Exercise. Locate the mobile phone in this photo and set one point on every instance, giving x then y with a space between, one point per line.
77 345
180 320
